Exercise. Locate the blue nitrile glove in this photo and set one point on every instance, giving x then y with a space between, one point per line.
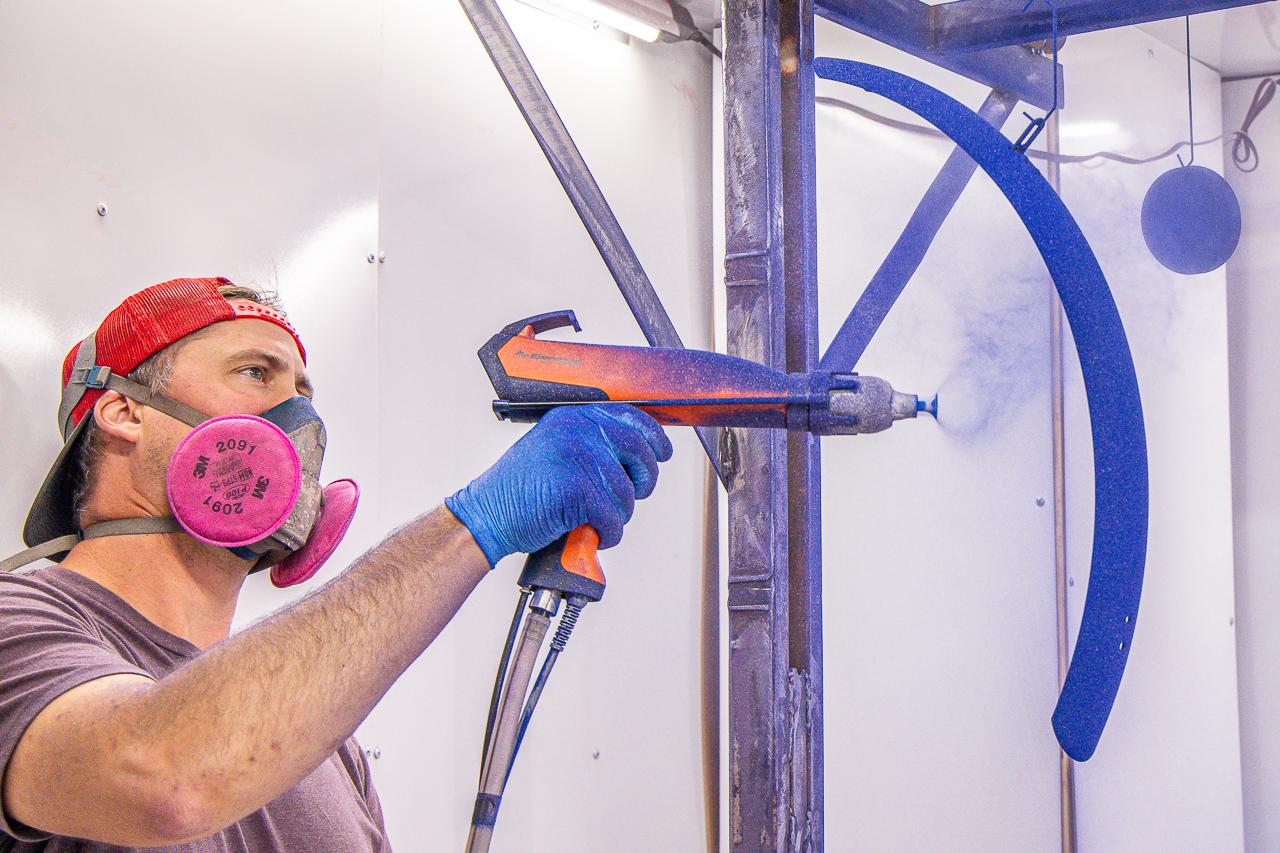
578 465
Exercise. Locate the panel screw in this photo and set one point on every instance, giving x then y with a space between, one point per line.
371 258
1039 501
373 752
382 257
596 755
1231 621
102 210
1071 581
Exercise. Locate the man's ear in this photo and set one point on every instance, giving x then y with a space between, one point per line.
118 416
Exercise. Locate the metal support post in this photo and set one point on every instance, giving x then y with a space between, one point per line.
775 624
1066 767
804 799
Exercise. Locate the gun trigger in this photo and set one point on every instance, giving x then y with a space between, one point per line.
540 323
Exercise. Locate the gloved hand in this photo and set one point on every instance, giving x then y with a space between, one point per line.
578 465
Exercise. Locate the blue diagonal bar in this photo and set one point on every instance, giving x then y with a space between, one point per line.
908 252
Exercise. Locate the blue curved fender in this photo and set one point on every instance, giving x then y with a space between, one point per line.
1111 385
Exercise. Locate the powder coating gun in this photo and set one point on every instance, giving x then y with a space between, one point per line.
677 387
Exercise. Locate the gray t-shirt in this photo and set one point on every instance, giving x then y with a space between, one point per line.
58 629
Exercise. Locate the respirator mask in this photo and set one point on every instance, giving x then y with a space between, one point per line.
247 483
251 484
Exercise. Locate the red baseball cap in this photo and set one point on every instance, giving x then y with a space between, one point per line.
135 330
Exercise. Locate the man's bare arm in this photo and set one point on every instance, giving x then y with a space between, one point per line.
139 763
128 761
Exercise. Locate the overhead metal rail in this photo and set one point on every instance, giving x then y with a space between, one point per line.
980 25
907 25
987 40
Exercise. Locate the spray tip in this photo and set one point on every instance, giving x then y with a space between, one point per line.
929 407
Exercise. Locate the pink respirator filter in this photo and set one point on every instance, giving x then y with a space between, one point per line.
233 480
338 504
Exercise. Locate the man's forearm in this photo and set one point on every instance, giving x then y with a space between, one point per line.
157 763
248 719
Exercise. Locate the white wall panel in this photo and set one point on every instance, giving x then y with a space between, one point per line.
1166 775
246 140
279 143
478 233
938 576
238 140
1253 311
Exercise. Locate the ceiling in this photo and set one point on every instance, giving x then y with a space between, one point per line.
1241 42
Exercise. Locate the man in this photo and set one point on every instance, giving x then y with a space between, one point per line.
128 716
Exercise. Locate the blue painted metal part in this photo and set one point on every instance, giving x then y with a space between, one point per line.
908 252
804 712
1191 220
1028 137
985 24
1111 385
579 184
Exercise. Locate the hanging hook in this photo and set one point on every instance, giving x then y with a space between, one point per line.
1191 111
1034 129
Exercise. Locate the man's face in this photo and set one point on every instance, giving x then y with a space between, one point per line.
241 366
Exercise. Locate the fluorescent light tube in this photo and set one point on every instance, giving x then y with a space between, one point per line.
612 17
636 18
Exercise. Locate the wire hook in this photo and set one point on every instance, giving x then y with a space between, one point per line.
1191 110
1034 129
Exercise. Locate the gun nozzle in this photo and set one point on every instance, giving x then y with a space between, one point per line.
871 407
903 406
910 406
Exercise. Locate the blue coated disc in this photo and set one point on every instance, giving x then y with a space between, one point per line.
1191 220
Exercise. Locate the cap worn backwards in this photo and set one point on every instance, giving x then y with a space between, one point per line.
138 328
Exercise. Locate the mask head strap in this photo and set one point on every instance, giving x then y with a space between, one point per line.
114 527
86 375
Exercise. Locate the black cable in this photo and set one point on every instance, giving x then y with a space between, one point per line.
909 127
503 663
923 130
572 610
689 30
1243 150
699 38
535 693
497 761
1118 158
